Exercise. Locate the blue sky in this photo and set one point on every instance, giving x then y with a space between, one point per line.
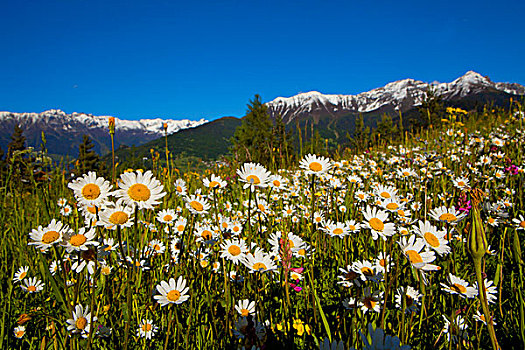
206 59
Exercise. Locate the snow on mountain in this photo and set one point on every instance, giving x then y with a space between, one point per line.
57 116
64 132
396 96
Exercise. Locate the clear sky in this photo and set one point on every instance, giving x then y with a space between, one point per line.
206 59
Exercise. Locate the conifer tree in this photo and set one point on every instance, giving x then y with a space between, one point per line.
359 133
431 108
88 159
17 143
253 140
386 128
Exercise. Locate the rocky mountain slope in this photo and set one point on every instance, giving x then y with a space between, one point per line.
64 131
402 95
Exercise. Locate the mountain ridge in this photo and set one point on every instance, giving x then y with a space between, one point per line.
397 96
64 131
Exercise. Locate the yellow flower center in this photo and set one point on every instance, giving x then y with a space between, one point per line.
20 334
179 189
91 191
118 218
245 312
173 295
92 210
261 207
258 266
168 217
276 183
392 206
180 228
234 250
376 224
431 239
156 247
236 228
214 184
447 217
522 224
50 237
458 288
367 271
77 240
81 322
414 257
382 262
338 231
22 275
401 212
146 327
301 252
315 166
406 173
253 179
139 192
206 234
385 195
461 183
361 196
31 289
197 206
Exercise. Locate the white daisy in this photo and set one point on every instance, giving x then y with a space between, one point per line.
79 241
180 187
197 205
434 239
259 261
166 216
444 214
254 175
459 286
277 182
315 165
215 182
245 307
172 292
147 329
375 221
234 250
139 189
21 274
43 238
19 331
80 323
412 298
91 190
117 215
418 258
32 285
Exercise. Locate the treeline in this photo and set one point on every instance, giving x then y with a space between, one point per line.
259 139
25 167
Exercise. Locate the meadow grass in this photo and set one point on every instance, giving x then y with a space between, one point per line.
323 254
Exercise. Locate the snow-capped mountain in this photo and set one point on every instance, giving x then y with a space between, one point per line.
64 131
397 96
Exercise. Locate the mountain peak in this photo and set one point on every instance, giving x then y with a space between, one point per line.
472 77
397 96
